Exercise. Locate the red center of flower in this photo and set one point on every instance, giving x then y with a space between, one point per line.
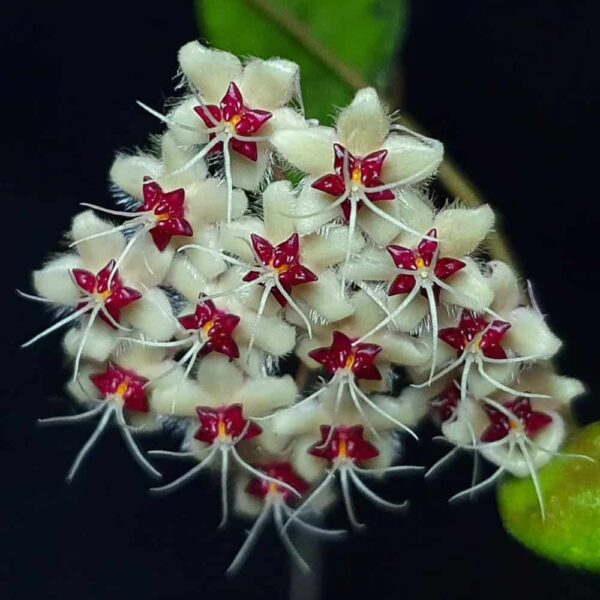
238 118
346 443
354 171
423 260
123 384
216 327
342 355
168 209
282 471
224 424
531 421
476 330
113 297
447 402
283 261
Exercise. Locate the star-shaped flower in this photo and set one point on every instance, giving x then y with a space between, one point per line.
225 424
123 384
477 332
237 118
283 261
425 261
344 444
113 297
344 355
168 212
216 327
283 471
354 171
528 421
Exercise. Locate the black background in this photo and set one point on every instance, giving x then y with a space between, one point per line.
509 87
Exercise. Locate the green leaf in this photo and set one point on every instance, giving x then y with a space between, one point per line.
570 535
364 34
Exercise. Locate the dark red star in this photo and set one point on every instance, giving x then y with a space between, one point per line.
216 325
244 120
168 209
282 471
471 326
364 171
284 261
343 355
125 384
345 443
447 402
224 424
424 256
114 298
532 421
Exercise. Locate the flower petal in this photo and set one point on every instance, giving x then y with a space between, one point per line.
261 396
309 150
54 280
325 297
278 200
411 159
461 230
206 202
363 125
530 335
248 174
210 71
152 315
270 84
97 252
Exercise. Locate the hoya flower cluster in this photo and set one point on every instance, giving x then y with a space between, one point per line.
182 301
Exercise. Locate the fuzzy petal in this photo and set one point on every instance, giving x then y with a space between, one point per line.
220 379
128 171
411 159
309 150
206 202
96 253
247 174
210 71
55 282
263 395
461 230
325 297
503 281
270 84
373 264
403 349
145 265
472 288
322 251
530 335
379 230
363 125
178 399
152 315
278 200
100 343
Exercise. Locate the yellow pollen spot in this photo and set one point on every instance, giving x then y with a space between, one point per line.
343 449
350 361
222 431
420 262
280 269
273 488
356 176
122 389
207 327
104 295
513 424
235 120
162 217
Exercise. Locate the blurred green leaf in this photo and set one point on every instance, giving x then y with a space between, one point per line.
570 535
364 34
